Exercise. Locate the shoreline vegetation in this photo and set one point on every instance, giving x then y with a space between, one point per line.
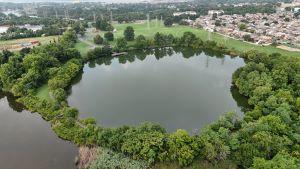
177 31
267 137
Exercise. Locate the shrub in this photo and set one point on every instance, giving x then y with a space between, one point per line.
109 36
98 40
107 159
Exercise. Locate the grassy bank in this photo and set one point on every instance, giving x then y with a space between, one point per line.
178 30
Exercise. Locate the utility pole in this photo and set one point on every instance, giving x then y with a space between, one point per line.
56 14
148 21
111 17
68 16
44 13
94 17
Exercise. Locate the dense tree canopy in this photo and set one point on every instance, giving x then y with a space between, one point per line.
103 24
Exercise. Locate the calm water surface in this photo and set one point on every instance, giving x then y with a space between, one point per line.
27 141
178 90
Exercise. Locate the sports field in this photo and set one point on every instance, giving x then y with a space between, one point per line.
14 45
178 30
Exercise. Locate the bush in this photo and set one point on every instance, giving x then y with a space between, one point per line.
168 22
141 42
121 44
145 142
109 36
129 33
182 147
107 159
98 40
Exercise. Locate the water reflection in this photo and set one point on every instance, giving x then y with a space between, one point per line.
28 142
17 107
176 87
159 53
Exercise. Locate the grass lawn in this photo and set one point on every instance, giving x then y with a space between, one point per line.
178 30
43 93
82 47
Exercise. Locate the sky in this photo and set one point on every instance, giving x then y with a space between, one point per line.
107 1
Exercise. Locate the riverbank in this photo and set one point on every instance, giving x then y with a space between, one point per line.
28 141
177 31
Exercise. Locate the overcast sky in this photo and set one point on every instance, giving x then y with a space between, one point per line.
108 1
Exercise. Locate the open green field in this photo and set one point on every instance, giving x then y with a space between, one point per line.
178 30
14 44
82 47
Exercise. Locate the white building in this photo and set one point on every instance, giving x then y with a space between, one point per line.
185 13
218 12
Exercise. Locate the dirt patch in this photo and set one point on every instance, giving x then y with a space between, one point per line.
288 48
85 157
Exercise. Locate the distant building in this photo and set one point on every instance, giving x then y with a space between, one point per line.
218 12
166 1
185 13
30 10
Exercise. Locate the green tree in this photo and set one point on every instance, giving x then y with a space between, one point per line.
103 25
281 161
5 56
242 26
159 39
129 33
248 38
121 44
182 147
141 42
188 39
109 36
98 40
168 22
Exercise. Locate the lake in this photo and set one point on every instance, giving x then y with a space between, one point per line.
28 142
177 88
